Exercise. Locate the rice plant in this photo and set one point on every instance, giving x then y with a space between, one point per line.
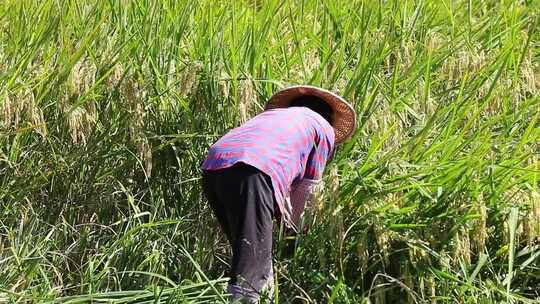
107 109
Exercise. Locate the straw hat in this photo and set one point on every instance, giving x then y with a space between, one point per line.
344 117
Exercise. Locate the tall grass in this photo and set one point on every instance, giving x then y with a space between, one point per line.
108 107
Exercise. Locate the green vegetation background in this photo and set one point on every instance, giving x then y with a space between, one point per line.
108 107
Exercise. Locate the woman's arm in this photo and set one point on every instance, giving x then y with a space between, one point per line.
301 194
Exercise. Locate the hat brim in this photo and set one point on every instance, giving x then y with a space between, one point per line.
344 116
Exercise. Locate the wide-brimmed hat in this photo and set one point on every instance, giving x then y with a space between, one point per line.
343 116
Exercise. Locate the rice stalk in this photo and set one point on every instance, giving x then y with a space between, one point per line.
456 81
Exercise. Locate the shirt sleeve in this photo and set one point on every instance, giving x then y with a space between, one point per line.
316 161
301 194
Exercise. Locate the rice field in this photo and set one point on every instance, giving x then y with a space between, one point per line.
107 109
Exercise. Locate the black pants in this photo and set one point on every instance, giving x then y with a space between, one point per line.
242 199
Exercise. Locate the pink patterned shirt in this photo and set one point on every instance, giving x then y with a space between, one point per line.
288 144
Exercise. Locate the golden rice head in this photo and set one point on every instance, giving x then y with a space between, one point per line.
318 196
145 153
530 74
463 61
384 241
247 99
190 79
115 76
417 254
400 58
496 102
445 260
514 197
91 113
224 85
340 85
134 96
407 54
77 126
63 100
82 77
36 116
333 179
81 120
312 63
432 287
224 89
19 107
531 222
404 57
462 247
332 188
7 110
407 279
479 231
362 251
384 119
435 41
